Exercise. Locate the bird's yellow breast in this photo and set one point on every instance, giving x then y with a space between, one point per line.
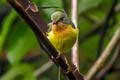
62 36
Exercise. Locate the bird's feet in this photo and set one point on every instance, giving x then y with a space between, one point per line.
58 56
66 61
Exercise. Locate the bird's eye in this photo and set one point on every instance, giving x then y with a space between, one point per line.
62 18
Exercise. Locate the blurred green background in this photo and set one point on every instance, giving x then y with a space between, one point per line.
20 54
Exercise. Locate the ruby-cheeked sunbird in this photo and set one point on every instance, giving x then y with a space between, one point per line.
62 33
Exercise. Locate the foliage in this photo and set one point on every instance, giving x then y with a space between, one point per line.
20 70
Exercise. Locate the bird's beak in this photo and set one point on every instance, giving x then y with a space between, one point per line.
55 22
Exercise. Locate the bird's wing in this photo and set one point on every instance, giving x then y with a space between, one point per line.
67 21
50 27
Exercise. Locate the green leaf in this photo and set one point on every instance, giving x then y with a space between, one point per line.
87 51
2 1
19 72
87 4
84 25
20 41
5 27
96 15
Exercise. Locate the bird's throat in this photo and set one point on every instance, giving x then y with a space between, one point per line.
59 27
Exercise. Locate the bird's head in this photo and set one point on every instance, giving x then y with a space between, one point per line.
57 16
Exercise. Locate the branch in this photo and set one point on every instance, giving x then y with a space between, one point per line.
99 63
105 26
75 21
42 69
29 12
110 64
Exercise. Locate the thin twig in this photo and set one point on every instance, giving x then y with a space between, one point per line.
75 21
110 64
98 64
42 69
105 26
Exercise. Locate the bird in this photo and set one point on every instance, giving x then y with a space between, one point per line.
62 32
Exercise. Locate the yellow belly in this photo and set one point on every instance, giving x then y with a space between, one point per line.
63 40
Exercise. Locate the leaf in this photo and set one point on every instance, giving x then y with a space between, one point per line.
87 4
96 15
20 41
87 51
82 22
19 72
2 1
6 24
